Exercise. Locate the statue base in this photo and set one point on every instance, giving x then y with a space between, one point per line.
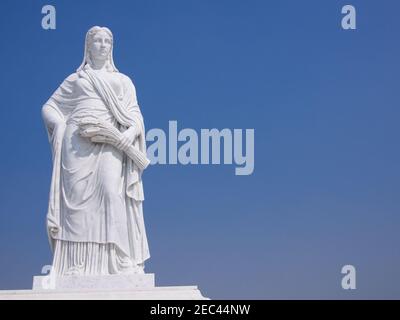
108 287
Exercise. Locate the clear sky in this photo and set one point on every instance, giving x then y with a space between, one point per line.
324 103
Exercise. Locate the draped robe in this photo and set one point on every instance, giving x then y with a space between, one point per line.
95 215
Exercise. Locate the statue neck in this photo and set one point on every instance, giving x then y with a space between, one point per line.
98 64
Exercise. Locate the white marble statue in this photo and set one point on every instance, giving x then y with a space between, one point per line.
96 131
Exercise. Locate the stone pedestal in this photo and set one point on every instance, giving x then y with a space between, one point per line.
117 287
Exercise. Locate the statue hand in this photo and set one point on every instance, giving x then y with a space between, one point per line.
127 139
54 231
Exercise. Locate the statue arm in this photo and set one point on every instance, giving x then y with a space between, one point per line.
132 132
51 111
52 118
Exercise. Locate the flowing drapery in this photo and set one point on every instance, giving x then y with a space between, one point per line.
100 213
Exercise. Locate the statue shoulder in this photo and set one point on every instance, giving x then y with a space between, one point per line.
70 80
72 77
126 79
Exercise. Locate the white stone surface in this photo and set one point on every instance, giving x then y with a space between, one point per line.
95 218
156 293
104 282
105 287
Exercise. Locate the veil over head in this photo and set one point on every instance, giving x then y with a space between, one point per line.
86 57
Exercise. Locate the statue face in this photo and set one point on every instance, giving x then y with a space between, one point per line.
100 45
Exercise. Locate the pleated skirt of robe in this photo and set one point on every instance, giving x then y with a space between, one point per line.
90 258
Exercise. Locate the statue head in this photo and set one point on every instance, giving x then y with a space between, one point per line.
99 46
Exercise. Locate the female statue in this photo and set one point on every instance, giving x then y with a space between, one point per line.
95 217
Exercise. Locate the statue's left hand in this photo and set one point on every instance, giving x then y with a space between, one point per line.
128 136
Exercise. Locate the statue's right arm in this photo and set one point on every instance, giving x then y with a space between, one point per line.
52 118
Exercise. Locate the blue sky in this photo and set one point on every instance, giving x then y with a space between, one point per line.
324 104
